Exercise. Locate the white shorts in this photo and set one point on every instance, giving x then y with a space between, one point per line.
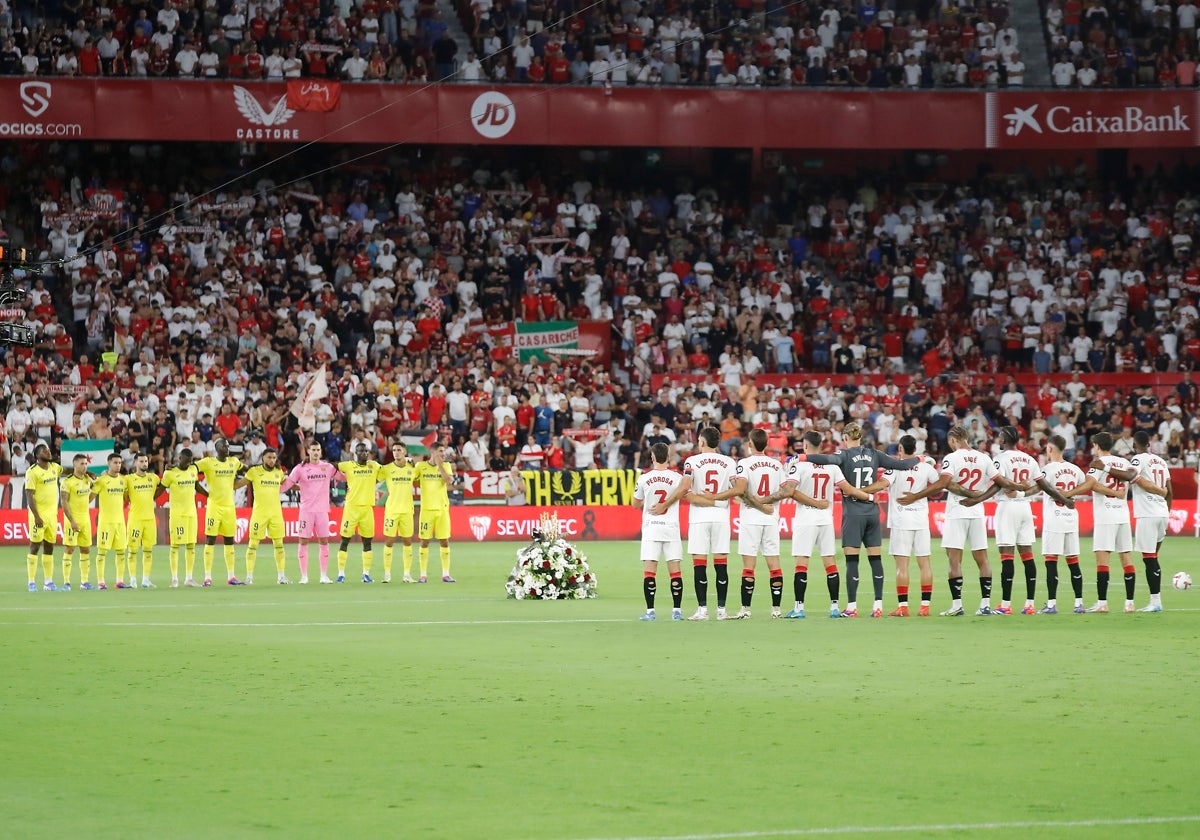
965 534
656 550
705 538
813 541
754 540
1060 543
1109 537
1149 533
909 543
1014 524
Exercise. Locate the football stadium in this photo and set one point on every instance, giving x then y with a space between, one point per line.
584 420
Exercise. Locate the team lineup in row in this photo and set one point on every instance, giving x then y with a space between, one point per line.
126 520
710 481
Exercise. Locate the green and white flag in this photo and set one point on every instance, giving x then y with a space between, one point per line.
541 338
97 452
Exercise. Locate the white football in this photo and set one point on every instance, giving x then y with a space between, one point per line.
1182 580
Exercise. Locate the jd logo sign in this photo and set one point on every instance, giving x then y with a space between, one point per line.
493 114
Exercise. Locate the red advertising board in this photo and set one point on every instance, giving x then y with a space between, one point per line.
159 109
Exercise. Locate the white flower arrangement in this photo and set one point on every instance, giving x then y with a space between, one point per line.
550 568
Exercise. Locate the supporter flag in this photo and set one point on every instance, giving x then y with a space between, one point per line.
541 338
314 95
304 407
97 452
418 442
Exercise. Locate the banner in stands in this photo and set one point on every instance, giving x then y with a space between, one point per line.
543 340
579 522
819 118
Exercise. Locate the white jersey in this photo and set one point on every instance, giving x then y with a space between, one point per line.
818 482
763 476
1108 510
711 473
914 517
1018 468
653 488
972 471
1056 518
1154 469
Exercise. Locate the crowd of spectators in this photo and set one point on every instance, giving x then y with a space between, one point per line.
865 44
403 281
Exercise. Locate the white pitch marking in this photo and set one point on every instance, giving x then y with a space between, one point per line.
190 624
166 605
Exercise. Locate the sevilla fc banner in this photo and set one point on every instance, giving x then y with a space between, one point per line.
306 110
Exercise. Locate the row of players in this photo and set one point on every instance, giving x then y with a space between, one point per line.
123 533
710 481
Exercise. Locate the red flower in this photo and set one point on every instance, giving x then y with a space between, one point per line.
568 552
545 564
571 579
587 577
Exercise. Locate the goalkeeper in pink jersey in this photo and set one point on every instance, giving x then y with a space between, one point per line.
314 478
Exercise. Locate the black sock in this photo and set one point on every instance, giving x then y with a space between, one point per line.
985 587
1051 579
700 577
956 588
776 588
649 587
833 580
1153 573
852 579
1008 571
1030 578
676 591
1130 582
722 574
1076 578
1102 584
800 584
747 590
876 563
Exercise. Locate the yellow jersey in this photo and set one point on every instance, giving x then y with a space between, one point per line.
44 484
142 491
110 490
266 490
361 480
220 475
435 494
399 480
181 485
79 495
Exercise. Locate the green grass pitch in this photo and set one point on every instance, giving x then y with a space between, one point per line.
445 711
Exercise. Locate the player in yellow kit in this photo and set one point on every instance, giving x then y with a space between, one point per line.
398 514
182 483
266 517
41 495
77 524
221 517
434 477
362 475
109 490
141 489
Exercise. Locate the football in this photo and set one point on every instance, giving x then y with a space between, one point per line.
1182 580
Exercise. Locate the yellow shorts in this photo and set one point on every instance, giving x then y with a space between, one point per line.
183 529
266 527
81 538
435 524
48 533
398 524
143 533
111 535
361 519
220 522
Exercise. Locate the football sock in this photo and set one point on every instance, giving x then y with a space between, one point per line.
676 589
251 557
1052 578
985 588
230 560
67 562
189 560
800 583
302 553
280 557
902 595
747 587
368 559
31 567
406 556
700 581
852 579
101 562
323 554
1102 583
926 594
876 563
956 585
209 551
722 575
1030 576
48 566
120 566
833 580
1130 581
174 561
1076 576
147 562
85 568
1007 572
423 558
649 586
776 583
446 562
1153 573
341 562
387 558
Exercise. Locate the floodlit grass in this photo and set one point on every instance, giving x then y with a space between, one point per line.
445 711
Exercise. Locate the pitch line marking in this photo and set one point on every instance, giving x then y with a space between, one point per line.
219 624
917 829
133 605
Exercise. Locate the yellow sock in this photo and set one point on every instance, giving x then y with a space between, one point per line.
85 568
387 559
280 557
341 561
101 563
209 550
406 553
131 562
147 562
445 561
120 566
31 567
189 558
368 557
230 561
251 556
48 567
174 562
68 560
423 554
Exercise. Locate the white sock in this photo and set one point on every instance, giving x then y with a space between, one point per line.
799 605
985 602
851 605
1079 602
1006 604
878 605
1156 600
1052 602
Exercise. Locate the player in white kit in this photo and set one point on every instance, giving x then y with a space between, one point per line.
1060 526
711 474
1108 481
657 493
966 474
812 486
756 477
1152 496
